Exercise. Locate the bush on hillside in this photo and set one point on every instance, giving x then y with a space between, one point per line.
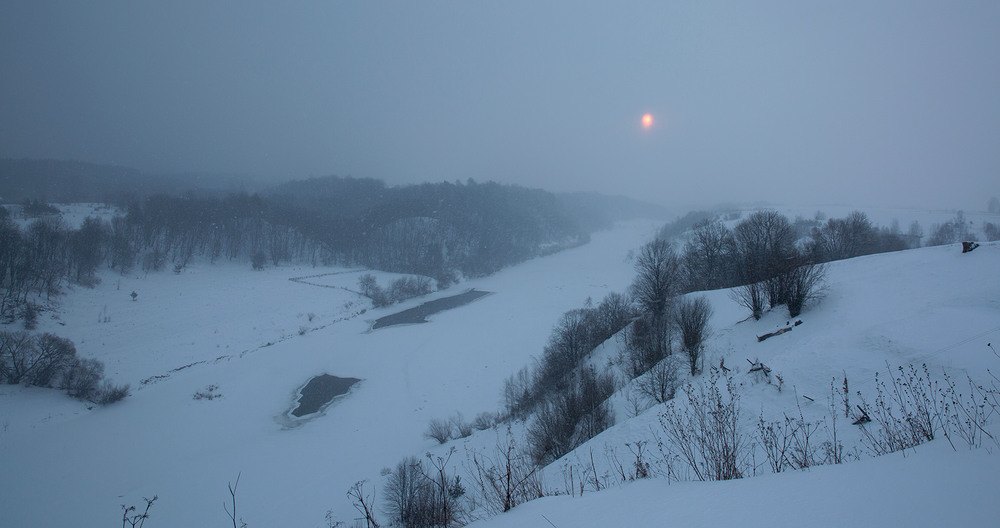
692 320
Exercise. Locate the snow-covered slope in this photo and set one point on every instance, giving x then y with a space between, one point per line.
932 306
932 487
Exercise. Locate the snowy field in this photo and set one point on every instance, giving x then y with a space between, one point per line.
258 336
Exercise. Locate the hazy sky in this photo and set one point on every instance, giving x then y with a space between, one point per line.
858 102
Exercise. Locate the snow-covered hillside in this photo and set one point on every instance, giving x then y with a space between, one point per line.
258 336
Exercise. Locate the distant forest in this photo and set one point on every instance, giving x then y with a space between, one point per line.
441 230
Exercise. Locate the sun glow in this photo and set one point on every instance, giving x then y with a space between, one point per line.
647 121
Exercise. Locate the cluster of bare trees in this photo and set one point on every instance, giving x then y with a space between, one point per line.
576 334
399 290
659 281
422 494
774 261
46 360
41 258
958 229
166 229
160 230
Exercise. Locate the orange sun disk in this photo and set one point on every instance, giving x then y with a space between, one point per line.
647 121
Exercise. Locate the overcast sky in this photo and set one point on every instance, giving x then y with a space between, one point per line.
856 102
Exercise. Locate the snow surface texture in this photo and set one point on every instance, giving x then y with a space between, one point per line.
63 464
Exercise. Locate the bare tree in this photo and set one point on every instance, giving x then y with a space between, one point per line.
445 491
82 378
658 277
660 382
692 320
846 238
404 491
765 242
658 280
751 295
805 283
709 256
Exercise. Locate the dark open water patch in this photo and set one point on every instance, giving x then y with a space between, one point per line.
419 314
320 391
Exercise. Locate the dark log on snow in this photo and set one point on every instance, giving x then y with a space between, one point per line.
864 418
969 246
772 334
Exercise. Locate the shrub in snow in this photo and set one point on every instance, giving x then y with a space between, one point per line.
439 429
914 407
751 295
408 287
419 494
208 394
484 421
804 284
647 342
258 260
111 393
705 431
506 476
692 317
660 382
34 360
571 417
83 378
461 428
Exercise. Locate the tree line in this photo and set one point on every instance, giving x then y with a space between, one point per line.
444 231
